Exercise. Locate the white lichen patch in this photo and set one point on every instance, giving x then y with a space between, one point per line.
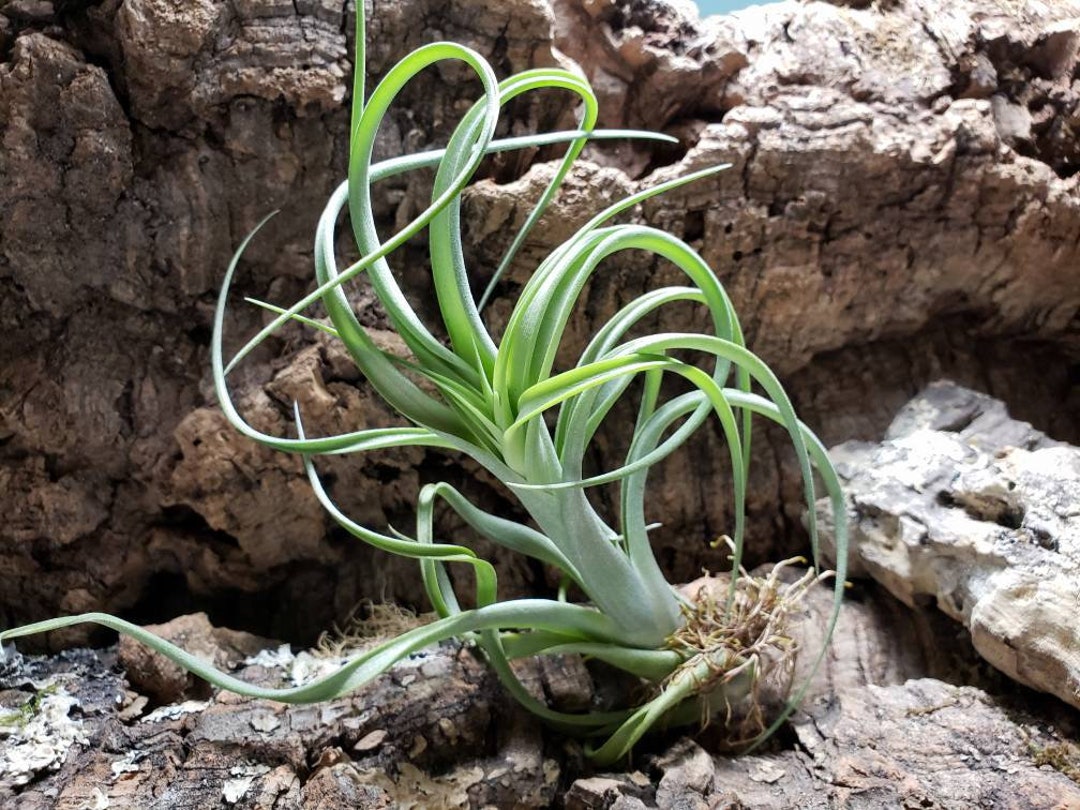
175 711
242 778
298 668
129 763
39 737
306 667
272 659
336 649
414 789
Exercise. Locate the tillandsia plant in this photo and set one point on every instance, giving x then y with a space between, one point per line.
502 403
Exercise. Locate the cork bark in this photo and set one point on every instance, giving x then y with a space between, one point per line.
892 719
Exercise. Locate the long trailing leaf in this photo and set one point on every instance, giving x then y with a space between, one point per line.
653 665
645 450
461 316
541 614
841 540
654 590
644 718
561 387
486 580
596 722
446 603
507 533
393 386
311 322
684 684
587 121
831 480
358 440
392 167
761 374
607 337
594 405
558 291
361 214
636 460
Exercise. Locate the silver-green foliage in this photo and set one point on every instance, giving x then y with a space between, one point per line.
488 399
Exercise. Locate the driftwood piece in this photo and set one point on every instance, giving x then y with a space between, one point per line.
979 514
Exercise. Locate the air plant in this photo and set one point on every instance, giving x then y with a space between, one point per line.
502 403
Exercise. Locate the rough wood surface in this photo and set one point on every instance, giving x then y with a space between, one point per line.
437 732
902 204
922 744
978 514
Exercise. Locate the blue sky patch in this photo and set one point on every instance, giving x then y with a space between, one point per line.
724 6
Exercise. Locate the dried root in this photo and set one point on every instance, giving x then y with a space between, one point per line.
740 657
369 622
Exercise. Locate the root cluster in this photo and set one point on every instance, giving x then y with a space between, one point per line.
739 652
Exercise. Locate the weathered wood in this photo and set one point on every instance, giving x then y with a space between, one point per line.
437 731
920 744
978 514
902 203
